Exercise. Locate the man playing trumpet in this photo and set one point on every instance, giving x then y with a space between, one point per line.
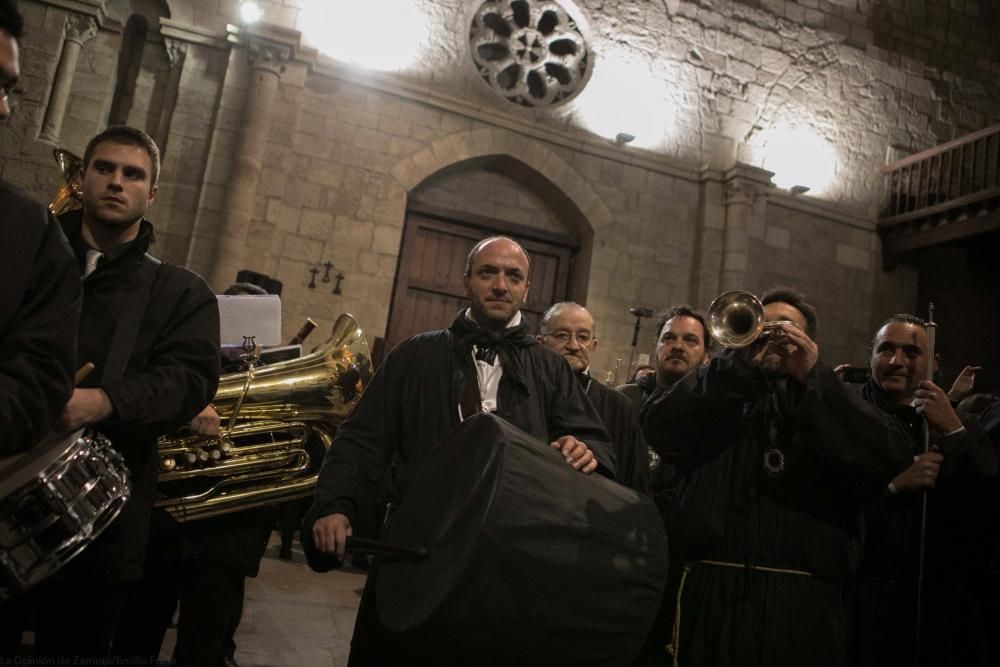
778 456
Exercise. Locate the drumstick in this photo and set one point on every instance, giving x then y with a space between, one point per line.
364 545
82 373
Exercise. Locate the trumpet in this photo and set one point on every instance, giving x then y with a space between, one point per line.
736 319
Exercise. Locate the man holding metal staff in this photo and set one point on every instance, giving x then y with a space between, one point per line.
954 472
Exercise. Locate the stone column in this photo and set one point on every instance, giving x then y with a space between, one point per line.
742 187
267 62
176 54
739 198
79 30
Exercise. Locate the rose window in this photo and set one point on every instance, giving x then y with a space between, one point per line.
528 51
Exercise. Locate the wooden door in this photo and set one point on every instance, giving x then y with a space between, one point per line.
428 291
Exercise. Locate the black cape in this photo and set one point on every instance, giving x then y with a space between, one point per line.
39 310
664 478
621 419
715 423
407 410
411 404
961 522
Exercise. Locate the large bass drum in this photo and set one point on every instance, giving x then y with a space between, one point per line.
529 561
54 501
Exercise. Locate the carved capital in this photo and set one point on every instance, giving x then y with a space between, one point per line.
267 56
176 51
80 29
268 47
741 192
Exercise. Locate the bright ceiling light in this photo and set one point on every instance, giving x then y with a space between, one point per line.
250 12
378 34
625 97
799 157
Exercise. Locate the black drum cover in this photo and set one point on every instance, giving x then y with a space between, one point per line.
530 561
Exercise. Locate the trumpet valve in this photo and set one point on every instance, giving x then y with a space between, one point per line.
774 330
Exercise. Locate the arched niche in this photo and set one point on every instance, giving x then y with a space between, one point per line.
142 26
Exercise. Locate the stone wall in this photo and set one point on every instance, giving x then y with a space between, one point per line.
345 150
343 161
830 259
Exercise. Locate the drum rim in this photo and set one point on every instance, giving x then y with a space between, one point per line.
112 477
26 466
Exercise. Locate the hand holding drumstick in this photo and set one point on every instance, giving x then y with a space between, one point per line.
86 406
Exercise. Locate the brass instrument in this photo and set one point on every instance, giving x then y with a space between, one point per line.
68 196
736 319
278 422
303 333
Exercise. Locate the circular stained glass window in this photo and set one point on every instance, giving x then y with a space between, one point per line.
529 52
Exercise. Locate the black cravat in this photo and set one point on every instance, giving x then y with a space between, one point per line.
486 353
490 344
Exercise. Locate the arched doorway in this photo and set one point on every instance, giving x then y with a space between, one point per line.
456 207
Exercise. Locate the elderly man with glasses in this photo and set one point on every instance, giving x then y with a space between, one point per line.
568 328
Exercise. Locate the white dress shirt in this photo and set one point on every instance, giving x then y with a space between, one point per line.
488 374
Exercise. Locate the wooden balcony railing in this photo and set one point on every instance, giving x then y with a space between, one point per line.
948 177
949 193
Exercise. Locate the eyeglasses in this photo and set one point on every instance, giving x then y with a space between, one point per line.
582 337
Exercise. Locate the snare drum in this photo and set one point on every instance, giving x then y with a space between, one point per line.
54 501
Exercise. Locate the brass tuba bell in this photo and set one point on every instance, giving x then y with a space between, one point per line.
68 196
736 319
278 421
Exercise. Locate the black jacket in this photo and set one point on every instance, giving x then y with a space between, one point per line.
411 404
172 373
39 309
960 525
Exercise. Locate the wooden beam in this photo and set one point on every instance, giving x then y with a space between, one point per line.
895 246
940 209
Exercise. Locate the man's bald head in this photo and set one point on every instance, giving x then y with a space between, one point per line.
496 281
470 260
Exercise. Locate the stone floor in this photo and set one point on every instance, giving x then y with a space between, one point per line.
292 616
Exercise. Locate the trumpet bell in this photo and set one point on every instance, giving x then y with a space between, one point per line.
736 318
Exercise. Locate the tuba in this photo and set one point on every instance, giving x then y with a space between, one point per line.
68 196
278 422
736 319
